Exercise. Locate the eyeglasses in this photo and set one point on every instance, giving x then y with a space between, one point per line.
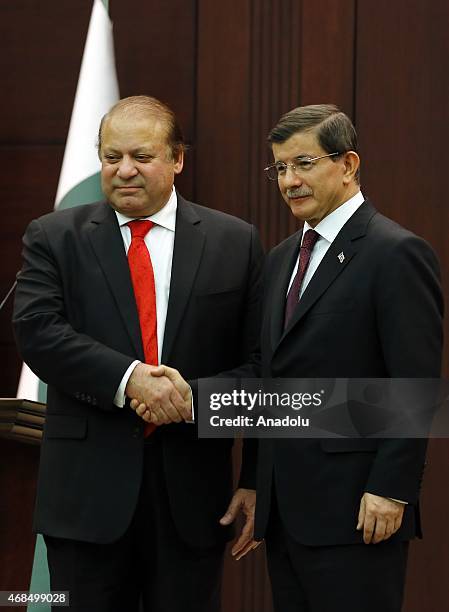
301 164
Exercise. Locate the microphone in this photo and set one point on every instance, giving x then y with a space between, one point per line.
10 292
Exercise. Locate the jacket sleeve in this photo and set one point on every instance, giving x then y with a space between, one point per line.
56 352
409 308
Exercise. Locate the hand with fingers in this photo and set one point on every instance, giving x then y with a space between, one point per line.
379 517
160 399
244 500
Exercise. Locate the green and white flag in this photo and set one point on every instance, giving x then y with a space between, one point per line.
97 91
79 181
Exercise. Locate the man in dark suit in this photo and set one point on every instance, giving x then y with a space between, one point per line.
363 301
130 502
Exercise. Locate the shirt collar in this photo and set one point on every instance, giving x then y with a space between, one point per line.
329 227
166 217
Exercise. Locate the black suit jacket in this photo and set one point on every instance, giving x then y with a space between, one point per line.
77 327
377 314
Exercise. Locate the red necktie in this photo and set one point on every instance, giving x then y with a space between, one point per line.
142 277
310 238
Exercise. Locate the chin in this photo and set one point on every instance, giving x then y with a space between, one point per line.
127 202
300 211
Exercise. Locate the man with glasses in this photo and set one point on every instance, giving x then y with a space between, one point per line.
351 295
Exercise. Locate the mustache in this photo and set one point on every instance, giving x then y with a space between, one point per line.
298 192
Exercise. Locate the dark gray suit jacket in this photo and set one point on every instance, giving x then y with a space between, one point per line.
378 314
77 327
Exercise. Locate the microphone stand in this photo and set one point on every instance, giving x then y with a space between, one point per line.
10 292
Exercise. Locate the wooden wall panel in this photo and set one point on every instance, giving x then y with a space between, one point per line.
275 88
259 63
18 472
155 46
402 114
42 46
426 588
29 193
222 106
328 46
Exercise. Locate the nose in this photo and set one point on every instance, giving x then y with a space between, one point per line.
291 177
127 168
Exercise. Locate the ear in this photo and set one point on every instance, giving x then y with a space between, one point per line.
179 163
352 163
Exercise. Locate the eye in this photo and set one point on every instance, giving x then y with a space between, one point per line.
142 157
303 163
111 158
281 168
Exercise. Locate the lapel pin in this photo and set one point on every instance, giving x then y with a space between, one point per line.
341 257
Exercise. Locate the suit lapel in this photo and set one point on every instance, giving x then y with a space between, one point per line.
107 243
188 249
331 266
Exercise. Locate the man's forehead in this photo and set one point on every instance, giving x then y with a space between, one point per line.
133 137
299 144
119 123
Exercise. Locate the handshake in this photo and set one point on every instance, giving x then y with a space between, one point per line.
159 394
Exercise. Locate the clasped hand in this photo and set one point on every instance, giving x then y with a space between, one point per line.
159 394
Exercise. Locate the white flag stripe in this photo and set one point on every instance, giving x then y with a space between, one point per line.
28 384
97 91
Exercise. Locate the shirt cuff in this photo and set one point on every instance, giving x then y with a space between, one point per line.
120 397
193 408
398 500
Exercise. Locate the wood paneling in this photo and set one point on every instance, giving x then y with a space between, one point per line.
328 47
28 192
402 115
275 88
426 588
222 105
155 46
42 47
18 471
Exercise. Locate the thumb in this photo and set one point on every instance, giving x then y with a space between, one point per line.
158 371
361 517
231 512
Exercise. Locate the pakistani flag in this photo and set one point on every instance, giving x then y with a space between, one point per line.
79 182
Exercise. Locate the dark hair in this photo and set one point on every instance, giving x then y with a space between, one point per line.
146 105
334 130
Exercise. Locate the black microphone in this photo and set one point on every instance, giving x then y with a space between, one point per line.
10 292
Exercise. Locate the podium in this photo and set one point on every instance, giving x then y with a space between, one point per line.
21 424
22 420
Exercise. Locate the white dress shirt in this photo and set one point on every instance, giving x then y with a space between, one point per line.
160 242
